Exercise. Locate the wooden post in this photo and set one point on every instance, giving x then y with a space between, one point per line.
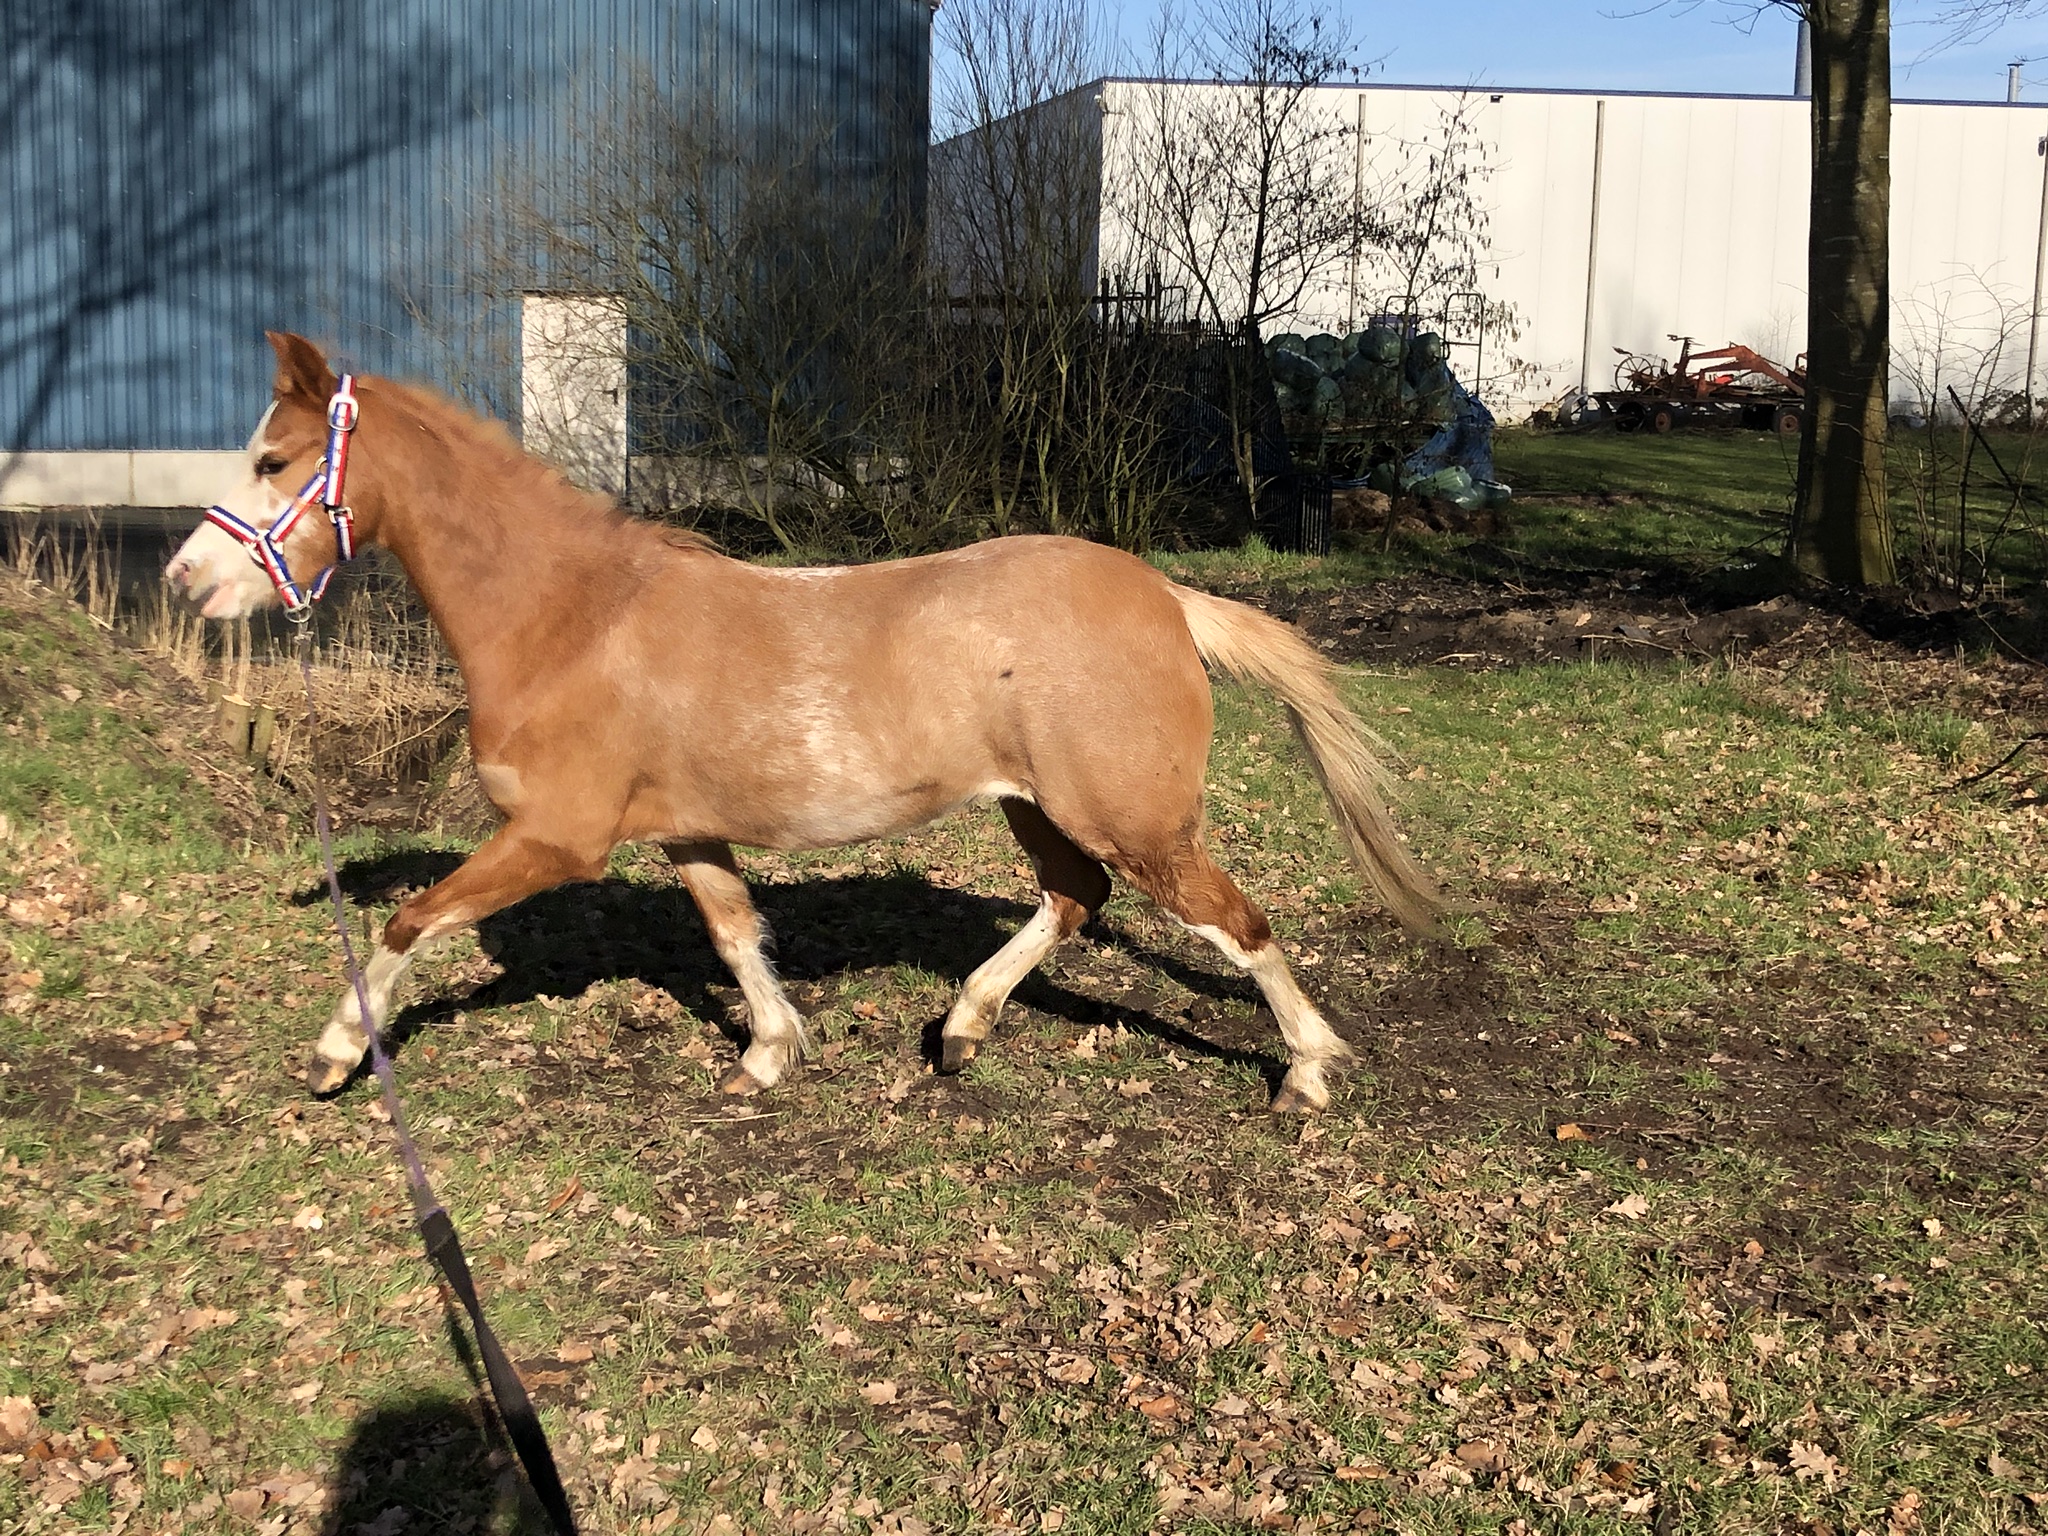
247 728
236 718
262 732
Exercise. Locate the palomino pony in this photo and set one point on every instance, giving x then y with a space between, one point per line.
628 682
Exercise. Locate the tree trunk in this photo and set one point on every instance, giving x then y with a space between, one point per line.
1841 527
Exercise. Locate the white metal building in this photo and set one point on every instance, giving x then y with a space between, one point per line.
1619 219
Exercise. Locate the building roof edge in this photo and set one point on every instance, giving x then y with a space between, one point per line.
1577 90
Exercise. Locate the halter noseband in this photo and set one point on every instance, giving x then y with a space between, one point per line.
266 545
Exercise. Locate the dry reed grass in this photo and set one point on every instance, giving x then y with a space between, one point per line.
390 699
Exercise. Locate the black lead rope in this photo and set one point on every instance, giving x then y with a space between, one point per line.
437 1231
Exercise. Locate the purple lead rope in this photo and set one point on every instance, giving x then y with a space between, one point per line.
424 1203
437 1231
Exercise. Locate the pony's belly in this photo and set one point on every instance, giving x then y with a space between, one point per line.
793 823
834 823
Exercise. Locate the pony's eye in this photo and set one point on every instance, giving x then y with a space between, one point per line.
270 464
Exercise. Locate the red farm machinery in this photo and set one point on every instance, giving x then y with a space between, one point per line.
1731 386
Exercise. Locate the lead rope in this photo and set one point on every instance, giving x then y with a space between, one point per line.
437 1231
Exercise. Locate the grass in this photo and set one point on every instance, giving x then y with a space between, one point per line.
1691 499
1689 503
1705 508
1664 1201
1694 500
393 696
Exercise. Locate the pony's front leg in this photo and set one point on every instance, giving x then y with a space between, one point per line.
777 1041
510 867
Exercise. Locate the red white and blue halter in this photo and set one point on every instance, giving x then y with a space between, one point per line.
266 545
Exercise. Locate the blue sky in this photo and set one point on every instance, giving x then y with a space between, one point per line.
1628 45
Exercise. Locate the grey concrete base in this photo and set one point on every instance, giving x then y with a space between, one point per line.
136 478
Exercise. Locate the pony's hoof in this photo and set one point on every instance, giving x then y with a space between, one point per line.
1292 1101
955 1051
324 1077
740 1083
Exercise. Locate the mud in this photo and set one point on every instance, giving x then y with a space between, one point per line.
1513 617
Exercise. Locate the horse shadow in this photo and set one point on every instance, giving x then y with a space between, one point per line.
560 942
429 1462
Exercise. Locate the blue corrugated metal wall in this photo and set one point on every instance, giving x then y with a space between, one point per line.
177 178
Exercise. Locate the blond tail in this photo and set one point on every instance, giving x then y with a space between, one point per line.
1256 648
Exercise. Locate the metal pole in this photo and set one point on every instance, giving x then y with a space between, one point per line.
1593 242
2040 270
1357 211
1802 62
2012 80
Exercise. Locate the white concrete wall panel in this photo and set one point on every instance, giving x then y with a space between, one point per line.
146 477
1543 210
572 385
1703 224
1966 212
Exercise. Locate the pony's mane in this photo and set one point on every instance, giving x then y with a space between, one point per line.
517 472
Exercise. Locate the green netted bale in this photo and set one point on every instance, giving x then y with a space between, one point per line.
1426 377
1295 371
1382 346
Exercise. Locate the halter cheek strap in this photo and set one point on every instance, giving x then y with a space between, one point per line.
266 545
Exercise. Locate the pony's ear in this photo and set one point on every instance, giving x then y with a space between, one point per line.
301 368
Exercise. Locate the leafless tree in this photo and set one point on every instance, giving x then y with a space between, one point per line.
1244 193
1841 529
773 312
1964 501
1429 235
1016 179
802 374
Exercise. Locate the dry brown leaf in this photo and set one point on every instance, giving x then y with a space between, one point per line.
245 1503
18 1420
1519 1349
1369 1472
1810 1461
1482 1456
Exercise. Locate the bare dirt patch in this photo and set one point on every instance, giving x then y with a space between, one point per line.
1519 618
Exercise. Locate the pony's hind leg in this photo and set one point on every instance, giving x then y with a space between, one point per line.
1073 886
776 1029
1207 901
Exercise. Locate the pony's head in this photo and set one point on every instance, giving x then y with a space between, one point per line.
215 569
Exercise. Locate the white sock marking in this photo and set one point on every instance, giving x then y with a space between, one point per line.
985 992
344 1041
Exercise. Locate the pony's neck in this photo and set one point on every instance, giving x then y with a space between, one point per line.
501 548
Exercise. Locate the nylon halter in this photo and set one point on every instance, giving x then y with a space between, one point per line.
266 545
